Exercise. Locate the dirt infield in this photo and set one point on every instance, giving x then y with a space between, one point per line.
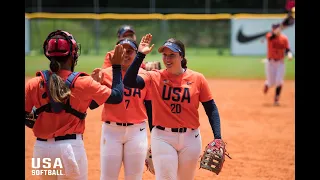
259 136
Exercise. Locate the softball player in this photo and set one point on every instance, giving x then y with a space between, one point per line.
176 92
124 128
61 98
125 31
277 48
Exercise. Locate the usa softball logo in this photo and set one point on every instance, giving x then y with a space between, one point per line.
46 166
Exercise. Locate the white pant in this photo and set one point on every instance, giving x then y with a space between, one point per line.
175 155
72 154
275 71
127 144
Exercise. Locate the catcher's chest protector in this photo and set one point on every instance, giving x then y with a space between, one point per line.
56 107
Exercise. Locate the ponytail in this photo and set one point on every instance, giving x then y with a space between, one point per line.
59 91
184 63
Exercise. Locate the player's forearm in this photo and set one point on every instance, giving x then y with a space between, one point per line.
214 117
131 78
116 96
148 105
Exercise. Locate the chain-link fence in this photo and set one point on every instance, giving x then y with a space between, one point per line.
98 36
97 33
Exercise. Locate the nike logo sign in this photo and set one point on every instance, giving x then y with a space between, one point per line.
141 129
196 135
188 83
245 39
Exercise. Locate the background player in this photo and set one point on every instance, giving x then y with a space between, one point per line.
59 135
124 131
176 92
127 31
277 48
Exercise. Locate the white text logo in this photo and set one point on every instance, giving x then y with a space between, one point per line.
46 166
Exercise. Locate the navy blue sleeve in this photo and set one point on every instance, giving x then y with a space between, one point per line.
148 105
214 117
116 96
131 78
116 89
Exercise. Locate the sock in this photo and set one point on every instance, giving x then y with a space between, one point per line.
278 91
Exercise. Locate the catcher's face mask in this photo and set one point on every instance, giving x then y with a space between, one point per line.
55 47
60 47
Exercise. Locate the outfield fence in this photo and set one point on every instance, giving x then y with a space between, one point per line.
97 32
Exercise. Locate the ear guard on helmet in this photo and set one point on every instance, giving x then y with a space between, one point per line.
57 47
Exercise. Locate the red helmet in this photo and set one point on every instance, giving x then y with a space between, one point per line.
55 47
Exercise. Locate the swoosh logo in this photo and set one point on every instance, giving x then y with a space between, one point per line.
242 38
141 129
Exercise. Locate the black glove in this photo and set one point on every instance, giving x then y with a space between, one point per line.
288 21
30 118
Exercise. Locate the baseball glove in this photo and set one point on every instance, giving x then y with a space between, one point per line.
148 162
30 118
214 156
288 21
152 65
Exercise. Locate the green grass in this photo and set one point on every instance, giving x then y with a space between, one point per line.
206 61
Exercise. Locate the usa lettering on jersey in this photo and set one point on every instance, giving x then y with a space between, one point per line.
176 94
132 92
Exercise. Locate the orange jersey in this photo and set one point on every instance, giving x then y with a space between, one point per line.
107 62
131 109
50 125
175 99
277 46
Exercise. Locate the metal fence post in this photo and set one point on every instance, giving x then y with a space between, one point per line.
265 6
97 27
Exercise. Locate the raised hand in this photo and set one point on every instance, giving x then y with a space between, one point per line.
118 56
144 46
97 75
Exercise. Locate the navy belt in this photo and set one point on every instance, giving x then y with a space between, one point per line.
121 124
59 138
180 130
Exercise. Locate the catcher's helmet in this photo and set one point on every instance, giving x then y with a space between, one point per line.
64 46
123 29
